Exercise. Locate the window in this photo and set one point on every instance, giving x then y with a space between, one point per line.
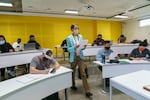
145 22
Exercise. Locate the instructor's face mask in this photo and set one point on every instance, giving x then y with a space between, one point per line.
2 42
76 30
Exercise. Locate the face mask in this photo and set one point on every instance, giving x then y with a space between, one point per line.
76 31
141 49
44 59
2 42
107 48
19 42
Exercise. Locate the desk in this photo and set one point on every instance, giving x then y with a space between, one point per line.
18 58
132 84
112 70
40 87
117 49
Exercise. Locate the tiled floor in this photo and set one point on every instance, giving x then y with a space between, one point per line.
95 83
96 89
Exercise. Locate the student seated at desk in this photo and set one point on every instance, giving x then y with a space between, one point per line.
17 45
5 47
141 52
41 64
32 40
99 41
104 52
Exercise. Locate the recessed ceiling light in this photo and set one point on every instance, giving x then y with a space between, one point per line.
6 4
121 16
71 11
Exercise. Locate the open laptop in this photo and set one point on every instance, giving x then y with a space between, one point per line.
29 46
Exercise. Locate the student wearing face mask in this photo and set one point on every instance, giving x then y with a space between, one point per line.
99 41
41 64
106 52
5 47
141 52
17 45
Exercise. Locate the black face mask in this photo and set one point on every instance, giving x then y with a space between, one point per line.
45 59
107 48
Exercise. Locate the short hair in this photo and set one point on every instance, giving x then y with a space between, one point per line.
73 26
2 36
107 41
31 36
144 43
99 35
19 39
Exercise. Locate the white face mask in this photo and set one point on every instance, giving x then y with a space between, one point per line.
75 31
2 42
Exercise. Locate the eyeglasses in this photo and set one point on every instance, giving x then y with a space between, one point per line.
76 28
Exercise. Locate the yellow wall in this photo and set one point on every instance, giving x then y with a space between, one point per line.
50 31
110 30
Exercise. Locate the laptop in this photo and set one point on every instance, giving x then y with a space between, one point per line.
29 46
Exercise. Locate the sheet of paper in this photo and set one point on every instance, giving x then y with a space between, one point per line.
82 43
24 80
29 78
139 61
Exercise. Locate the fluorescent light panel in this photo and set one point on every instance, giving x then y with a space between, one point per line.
121 16
71 11
6 4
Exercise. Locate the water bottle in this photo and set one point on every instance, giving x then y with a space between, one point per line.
103 59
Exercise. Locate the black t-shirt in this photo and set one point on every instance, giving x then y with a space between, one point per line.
5 47
136 54
37 45
64 43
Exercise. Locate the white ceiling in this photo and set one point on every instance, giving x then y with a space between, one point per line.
102 9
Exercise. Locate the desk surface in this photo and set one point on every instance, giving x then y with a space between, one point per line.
21 52
111 70
125 60
133 83
18 83
117 49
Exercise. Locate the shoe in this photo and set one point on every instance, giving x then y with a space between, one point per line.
11 74
89 94
74 88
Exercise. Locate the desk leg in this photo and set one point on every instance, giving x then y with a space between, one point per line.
64 55
56 51
110 94
104 86
66 97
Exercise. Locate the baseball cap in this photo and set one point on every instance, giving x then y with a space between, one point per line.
48 54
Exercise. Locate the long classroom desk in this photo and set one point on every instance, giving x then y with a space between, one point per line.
18 58
117 49
112 70
36 86
132 84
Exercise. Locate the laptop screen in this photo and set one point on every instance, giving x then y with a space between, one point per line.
29 46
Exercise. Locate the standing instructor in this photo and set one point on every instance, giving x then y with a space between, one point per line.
76 58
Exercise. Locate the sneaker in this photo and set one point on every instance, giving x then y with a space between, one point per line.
74 88
11 74
89 94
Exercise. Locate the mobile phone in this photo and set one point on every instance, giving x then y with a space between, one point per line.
53 70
